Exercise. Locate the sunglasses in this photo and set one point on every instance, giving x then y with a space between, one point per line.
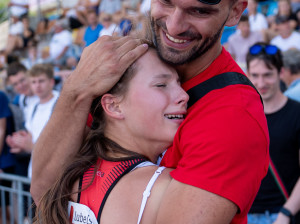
258 48
210 2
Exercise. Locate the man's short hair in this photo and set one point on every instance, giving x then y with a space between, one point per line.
14 68
291 61
273 59
91 11
40 69
244 18
281 19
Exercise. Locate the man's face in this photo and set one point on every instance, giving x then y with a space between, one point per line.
41 86
284 29
20 83
252 7
92 18
244 27
286 76
265 79
186 29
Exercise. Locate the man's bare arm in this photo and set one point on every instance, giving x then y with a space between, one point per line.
184 203
100 67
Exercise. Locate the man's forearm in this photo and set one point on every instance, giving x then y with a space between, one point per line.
292 204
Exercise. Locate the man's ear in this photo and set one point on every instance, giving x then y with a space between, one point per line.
111 106
236 12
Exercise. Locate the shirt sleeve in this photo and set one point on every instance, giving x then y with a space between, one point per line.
227 154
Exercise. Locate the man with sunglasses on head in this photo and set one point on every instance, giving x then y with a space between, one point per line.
279 195
220 152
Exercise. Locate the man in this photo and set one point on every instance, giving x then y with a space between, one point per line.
60 43
264 64
258 22
93 29
7 159
18 8
291 73
239 42
42 82
16 75
287 38
111 7
212 151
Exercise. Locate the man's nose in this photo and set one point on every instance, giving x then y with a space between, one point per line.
176 24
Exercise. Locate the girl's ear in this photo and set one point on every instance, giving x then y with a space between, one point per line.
111 106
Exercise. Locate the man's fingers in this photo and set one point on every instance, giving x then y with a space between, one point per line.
128 46
133 55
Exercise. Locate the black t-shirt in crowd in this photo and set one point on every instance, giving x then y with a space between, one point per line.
284 129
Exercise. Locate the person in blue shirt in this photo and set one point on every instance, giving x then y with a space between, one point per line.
92 31
7 159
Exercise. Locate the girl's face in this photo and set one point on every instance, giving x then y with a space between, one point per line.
155 104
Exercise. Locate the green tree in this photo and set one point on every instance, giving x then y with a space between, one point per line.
3 10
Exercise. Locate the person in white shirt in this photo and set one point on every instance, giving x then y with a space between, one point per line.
60 43
109 28
17 77
18 8
239 43
42 82
287 38
258 22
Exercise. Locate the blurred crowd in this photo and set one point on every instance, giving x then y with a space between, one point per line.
274 22
60 39
37 60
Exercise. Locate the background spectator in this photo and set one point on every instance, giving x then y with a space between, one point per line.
290 73
42 83
60 43
109 27
111 7
239 43
18 8
279 194
258 21
93 29
7 159
287 38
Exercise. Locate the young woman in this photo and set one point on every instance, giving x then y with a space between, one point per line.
133 124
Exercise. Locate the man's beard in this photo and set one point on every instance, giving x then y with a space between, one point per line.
177 57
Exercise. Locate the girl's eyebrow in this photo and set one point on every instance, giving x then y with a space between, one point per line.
163 76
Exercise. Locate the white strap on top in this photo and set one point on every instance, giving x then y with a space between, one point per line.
147 192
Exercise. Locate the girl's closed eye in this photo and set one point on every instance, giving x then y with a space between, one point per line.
161 85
